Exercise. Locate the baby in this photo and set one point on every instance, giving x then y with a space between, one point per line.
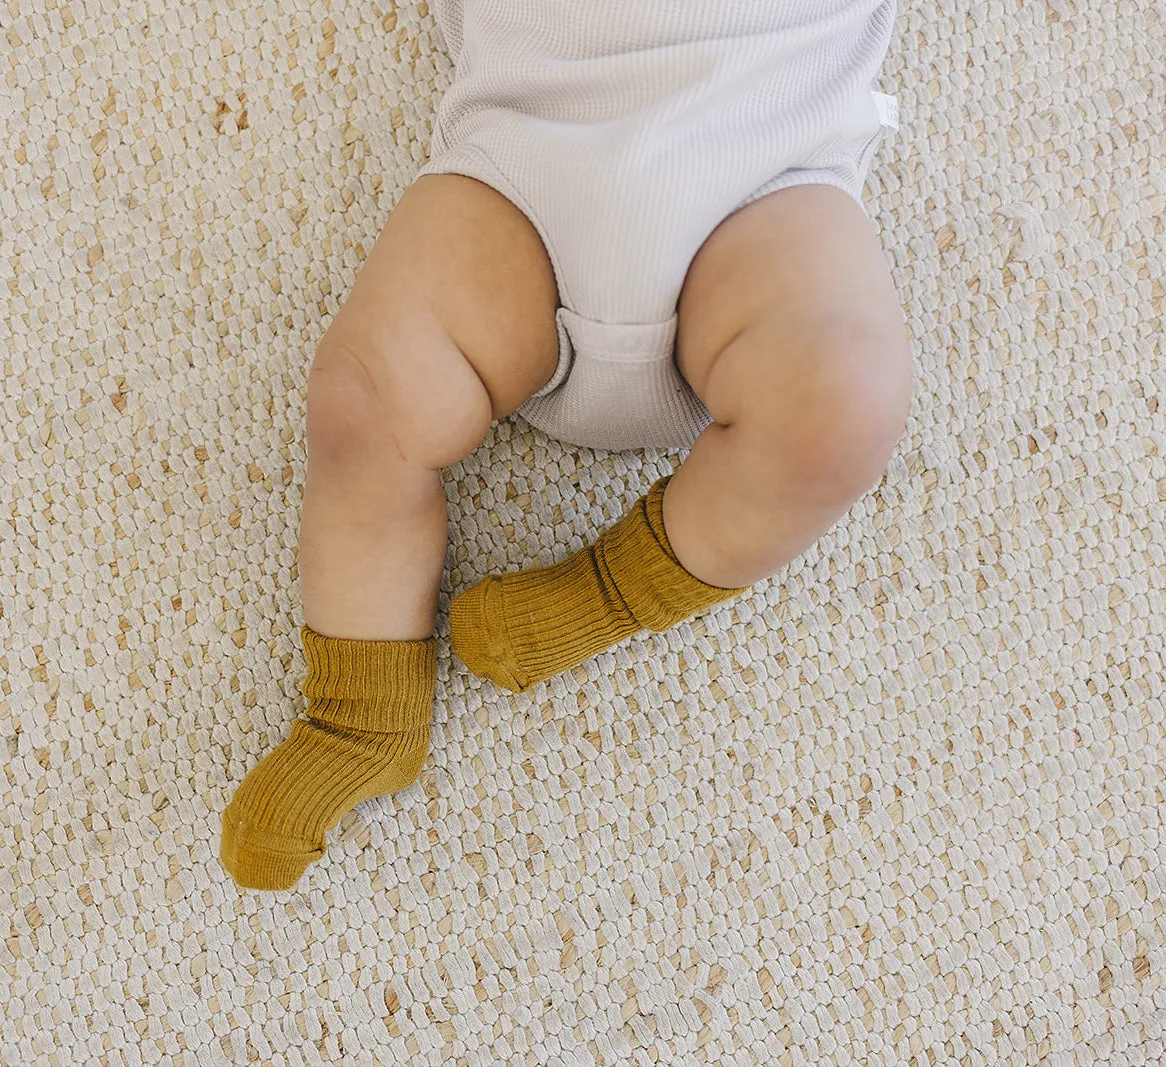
640 225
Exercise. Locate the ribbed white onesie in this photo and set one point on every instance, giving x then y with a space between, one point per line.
626 131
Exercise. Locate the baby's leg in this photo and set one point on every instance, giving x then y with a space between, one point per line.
791 333
449 325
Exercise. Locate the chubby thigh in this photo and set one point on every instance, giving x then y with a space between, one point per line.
802 275
791 332
451 320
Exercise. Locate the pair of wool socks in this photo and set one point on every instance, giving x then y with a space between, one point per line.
370 702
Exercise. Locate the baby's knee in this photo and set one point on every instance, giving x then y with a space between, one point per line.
838 430
403 395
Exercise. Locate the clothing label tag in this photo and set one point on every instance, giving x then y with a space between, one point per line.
888 109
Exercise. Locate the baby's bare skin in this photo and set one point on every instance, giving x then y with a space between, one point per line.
790 331
450 324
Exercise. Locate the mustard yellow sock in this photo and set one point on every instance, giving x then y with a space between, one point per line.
366 734
519 629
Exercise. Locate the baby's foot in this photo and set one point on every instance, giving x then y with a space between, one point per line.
520 629
366 734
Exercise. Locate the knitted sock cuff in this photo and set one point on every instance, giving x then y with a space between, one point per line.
373 686
658 590
653 505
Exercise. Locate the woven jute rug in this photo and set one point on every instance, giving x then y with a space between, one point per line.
902 804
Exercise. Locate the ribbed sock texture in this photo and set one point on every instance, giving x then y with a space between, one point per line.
366 734
520 629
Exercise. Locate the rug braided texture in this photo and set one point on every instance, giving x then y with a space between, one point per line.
904 803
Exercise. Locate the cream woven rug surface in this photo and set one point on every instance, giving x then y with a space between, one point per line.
903 804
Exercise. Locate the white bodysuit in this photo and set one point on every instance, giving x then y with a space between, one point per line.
626 131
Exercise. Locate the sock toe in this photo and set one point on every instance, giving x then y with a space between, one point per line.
258 858
477 631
